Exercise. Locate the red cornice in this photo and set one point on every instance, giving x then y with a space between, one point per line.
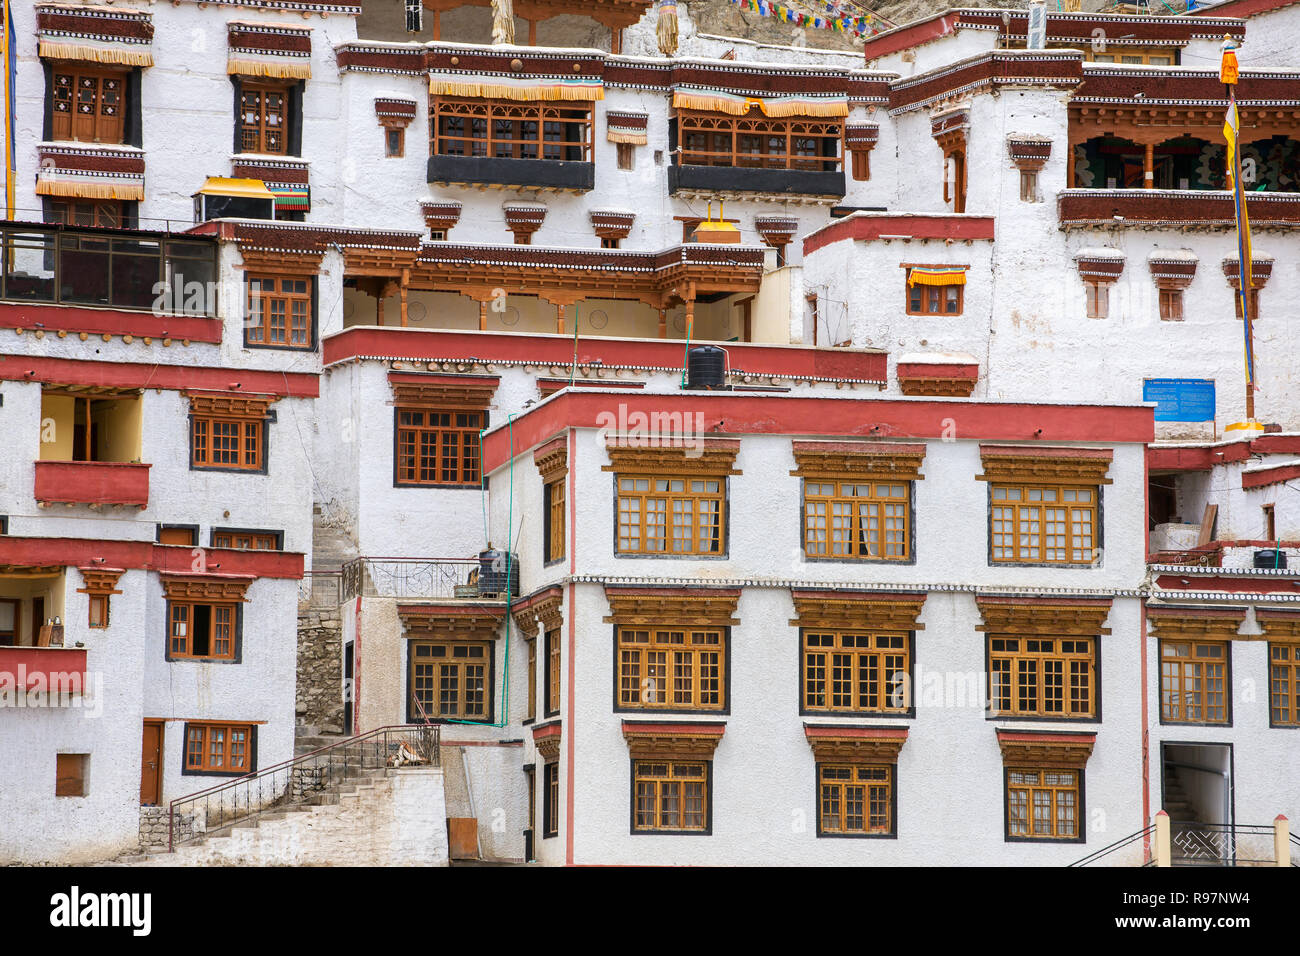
741 414
1028 737
668 730
416 378
985 72
28 368
867 227
910 35
71 319
146 555
1269 476
854 733
1093 207
1156 611
1205 457
938 370
1240 8
1044 451
450 610
540 349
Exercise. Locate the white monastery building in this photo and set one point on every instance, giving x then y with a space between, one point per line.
646 446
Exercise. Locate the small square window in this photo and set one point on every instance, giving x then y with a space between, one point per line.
438 235
71 772
394 142
607 243
1171 305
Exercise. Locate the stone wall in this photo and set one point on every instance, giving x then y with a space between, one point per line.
320 671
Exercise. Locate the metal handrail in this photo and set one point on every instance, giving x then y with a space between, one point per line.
1117 845
323 767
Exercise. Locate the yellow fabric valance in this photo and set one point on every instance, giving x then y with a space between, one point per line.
131 190
734 104
281 69
530 89
923 276
121 54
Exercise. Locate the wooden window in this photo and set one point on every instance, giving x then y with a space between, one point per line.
680 669
854 799
1043 676
264 119
861 164
532 679
279 312
856 519
670 796
1252 297
855 672
608 243
1044 524
511 130
227 442
1098 299
1029 185
1171 305
438 446
713 139
394 141
811 316
247 540
98 614
554 492
178 535
626 155
665 515
450 679
552 672
70 774
105 214
438 235
935 299
1193 682
202 631
219 748
1043 803
551 809
1270 523
531 774
1284 684
89 104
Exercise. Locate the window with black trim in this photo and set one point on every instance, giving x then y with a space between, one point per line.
670 796
855 799
672 668
100 213
1047 676
227 442
552 672
857 519
1194 682
279 312
205 631
1044 803
671 515
220 749
450 679
1045 524
264 118
1284 684
246 540
438 446
855 672
506 129
551 807
553 492
89 103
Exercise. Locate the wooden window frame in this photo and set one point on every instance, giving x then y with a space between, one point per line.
1175 683
1021 557
1028 658
643 772
1284 684
504 125
250 438
716 139
179 646
554 501
1270 522
462 714
635 667
1054 790
860 164
626 155
608 242
1171 304
531 713
268 296
408 455
1029 185
259 132
95 213
202 732
190 530
394 142
97 621
817 678
71 775
868 800
861 507
106 127
551 798
920 297
1252 296
673 509
243 539
554 671
1096 298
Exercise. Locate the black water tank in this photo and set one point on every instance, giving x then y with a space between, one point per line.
1270 558
492 572
706 367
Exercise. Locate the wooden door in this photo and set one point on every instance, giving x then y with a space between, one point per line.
151 764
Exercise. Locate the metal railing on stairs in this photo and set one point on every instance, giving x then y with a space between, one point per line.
300 781
1146 834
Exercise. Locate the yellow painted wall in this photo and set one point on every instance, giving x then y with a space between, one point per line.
772 308
119 429
53 589
57 425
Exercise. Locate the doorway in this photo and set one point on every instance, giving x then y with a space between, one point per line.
1197 793
347 689
151 764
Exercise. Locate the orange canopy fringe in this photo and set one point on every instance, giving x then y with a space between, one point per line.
280 69
89 190
86 52
920 276
502 88
633 139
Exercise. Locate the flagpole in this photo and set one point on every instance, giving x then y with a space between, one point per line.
1244 277
9 168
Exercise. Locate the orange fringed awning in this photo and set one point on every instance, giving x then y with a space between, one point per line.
88 51
924 276
298 68
734 104
131 190
525 88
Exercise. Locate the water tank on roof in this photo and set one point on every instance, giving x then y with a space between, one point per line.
706 367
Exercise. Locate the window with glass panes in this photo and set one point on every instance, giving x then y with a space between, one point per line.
1193 682
89 104
532 679
667 515
1043 804
219 748
511 130
279 312
856 519
672 669
670 796
551 809
715 139
246 540
438 446
554 493
226 442
934 299
449 679
855 672
552 672
105 214
1284 684
201 631
1044 524
263 119
1045 676
854 799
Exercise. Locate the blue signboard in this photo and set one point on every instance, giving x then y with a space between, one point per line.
1180 399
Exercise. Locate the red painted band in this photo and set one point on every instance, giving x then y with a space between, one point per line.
64 318
26 368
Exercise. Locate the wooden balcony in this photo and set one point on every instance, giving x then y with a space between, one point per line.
59 672
492 171
724 180
92 483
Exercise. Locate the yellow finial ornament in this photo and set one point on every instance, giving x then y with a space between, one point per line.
1228 63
